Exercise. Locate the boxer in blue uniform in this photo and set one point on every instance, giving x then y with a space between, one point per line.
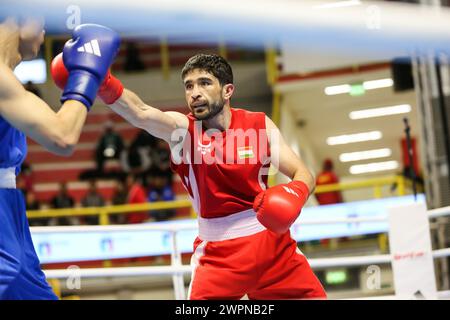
24 114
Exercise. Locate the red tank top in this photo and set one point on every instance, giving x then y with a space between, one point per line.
223 171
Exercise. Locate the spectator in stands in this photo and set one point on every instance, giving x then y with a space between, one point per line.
27 175
63 200
137 159
327 176
25 179
31 203
160 184
30 86
160 156
110 146
144 140
133 60
92 199
120 197
136 194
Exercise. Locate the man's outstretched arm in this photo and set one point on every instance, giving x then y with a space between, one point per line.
156 122
127 104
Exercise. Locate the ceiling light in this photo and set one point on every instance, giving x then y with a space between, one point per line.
356 137
380 112
373 167
364 155
377 84
345 88
366 85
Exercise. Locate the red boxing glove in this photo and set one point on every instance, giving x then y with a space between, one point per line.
278 207
110 90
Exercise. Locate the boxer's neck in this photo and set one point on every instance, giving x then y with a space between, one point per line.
220 121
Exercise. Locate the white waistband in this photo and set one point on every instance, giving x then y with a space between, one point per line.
8 178
237 225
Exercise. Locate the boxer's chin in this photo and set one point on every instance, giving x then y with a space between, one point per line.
210 112
202 113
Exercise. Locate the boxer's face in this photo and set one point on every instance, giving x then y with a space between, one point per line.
204 94
31 36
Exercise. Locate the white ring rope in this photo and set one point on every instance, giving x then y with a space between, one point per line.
170 270
439 212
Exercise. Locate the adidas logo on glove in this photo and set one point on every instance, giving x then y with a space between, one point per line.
91 47
289 190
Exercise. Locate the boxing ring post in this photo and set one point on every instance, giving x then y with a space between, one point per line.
176 261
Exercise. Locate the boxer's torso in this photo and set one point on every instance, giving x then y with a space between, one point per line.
224 171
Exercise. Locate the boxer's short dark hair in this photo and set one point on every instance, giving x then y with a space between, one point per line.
211 63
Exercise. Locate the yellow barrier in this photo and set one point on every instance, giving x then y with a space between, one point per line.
104 212
375 183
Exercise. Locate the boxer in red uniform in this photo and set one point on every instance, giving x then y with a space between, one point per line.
222 155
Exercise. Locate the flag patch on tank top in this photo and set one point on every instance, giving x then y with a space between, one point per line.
245 152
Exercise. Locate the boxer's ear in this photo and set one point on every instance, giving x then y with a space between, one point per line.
227 91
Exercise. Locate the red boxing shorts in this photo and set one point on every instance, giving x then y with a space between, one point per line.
236 256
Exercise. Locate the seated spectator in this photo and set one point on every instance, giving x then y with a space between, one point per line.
119 197
160 184
136 194
110 146
144 140
161 155
137 159
27 174
63 200
92 199
24 180
327 176
31 203
133 60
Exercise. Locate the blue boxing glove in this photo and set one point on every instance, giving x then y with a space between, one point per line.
87 57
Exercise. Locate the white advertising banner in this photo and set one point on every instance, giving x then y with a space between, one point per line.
410 245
